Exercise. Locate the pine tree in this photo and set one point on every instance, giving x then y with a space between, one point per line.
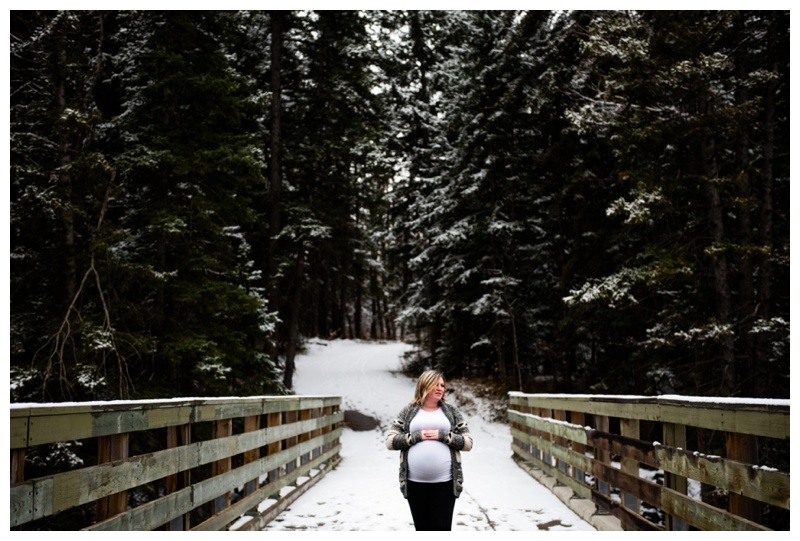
672 102
62 339
190 163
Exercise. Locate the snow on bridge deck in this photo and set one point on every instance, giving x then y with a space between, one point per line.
363 494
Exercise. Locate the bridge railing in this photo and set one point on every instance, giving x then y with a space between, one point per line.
182 464
664 463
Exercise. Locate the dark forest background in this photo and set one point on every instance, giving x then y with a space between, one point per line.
586 201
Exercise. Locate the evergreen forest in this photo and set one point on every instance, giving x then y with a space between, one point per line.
576 201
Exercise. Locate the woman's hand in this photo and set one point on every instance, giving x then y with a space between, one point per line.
430 435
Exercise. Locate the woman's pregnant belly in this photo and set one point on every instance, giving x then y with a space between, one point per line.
429 462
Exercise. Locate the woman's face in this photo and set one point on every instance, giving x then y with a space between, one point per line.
437 392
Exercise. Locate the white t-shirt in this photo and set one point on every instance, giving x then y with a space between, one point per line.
429 460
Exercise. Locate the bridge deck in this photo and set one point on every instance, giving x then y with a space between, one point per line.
362 493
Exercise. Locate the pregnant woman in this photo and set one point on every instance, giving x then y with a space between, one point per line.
430 435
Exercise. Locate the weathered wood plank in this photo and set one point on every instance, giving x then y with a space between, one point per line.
150 515
623 446
756 417
633 484
157 512
563 429
39 424
704 516
21 499
769 486
576 460
19 432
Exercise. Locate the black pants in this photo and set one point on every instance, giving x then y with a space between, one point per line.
431 505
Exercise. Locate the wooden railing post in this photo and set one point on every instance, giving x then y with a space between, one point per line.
630 428
17 466
743 448
251 424
600 455
560 415
274 420
318 412
178 436
546 457
675 436
290 417
110 448
222 429
305 415
578 418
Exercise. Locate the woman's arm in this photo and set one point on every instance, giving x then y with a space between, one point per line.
399 437
459 437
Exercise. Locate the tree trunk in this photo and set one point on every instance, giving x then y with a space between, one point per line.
765 218
63 179
357 308
275 136
499 344
515 352
742 172
276 44
347 328
294 319
719 263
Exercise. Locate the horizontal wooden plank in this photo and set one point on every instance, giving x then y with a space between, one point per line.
39 424
563 429
768 418
595 404
623 446
22 504
642 489
769 486
704 516
19 432
566 455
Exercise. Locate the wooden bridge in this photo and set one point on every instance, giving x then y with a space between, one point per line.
629 462
623 463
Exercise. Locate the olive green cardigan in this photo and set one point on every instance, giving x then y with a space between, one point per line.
458 439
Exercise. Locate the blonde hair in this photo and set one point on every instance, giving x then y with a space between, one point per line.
425 384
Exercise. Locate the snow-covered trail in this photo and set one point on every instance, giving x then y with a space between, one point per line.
362 493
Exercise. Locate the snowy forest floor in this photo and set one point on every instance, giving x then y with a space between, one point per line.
362 493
